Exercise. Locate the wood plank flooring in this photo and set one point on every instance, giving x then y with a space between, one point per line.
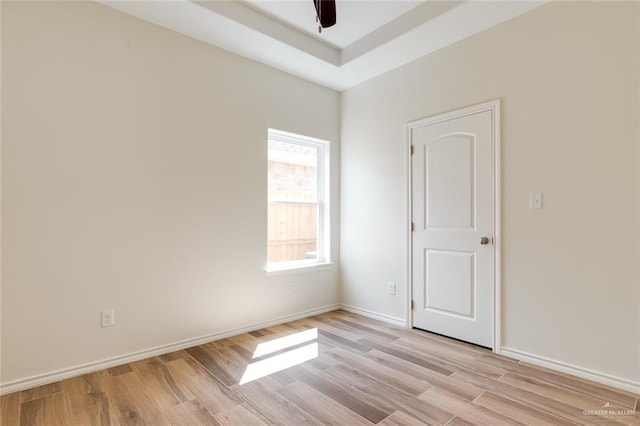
337 368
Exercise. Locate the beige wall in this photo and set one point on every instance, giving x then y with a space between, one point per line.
567 74
133 177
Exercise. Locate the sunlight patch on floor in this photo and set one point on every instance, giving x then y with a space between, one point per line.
285 342
282 361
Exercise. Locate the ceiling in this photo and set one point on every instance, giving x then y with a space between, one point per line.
369 38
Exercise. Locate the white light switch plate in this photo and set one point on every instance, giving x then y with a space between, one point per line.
535 200
392 289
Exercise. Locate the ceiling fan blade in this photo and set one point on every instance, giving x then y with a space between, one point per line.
326 12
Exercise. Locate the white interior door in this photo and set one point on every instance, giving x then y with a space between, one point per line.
453 252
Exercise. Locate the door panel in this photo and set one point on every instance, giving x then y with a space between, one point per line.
450 282
452 209
449 182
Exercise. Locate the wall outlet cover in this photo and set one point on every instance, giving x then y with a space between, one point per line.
108 318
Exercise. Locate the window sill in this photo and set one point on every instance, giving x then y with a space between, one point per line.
298 269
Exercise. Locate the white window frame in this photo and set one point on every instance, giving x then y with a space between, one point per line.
324 212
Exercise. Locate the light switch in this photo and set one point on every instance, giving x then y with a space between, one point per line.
535 200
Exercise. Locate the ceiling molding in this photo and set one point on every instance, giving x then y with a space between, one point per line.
244 14
396 28
242 29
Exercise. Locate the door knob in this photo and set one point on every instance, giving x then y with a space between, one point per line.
484 241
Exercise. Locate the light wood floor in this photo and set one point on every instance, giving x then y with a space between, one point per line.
365 372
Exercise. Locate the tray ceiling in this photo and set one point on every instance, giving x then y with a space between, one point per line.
369 38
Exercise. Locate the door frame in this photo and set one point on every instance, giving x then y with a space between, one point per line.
494 107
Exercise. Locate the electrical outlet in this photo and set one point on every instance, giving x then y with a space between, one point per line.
108 318
392 289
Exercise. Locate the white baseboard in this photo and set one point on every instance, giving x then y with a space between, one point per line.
574 370
374 315
563 367
67 373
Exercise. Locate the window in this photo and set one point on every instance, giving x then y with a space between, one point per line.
298 214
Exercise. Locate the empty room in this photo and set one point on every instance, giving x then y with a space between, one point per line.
324 212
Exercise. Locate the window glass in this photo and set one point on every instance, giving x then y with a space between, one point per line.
296 225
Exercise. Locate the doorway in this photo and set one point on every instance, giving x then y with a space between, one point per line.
454 238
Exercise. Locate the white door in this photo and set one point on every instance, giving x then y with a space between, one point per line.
453 251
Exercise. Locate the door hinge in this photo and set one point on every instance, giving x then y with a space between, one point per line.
413 226
412 149
412 305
